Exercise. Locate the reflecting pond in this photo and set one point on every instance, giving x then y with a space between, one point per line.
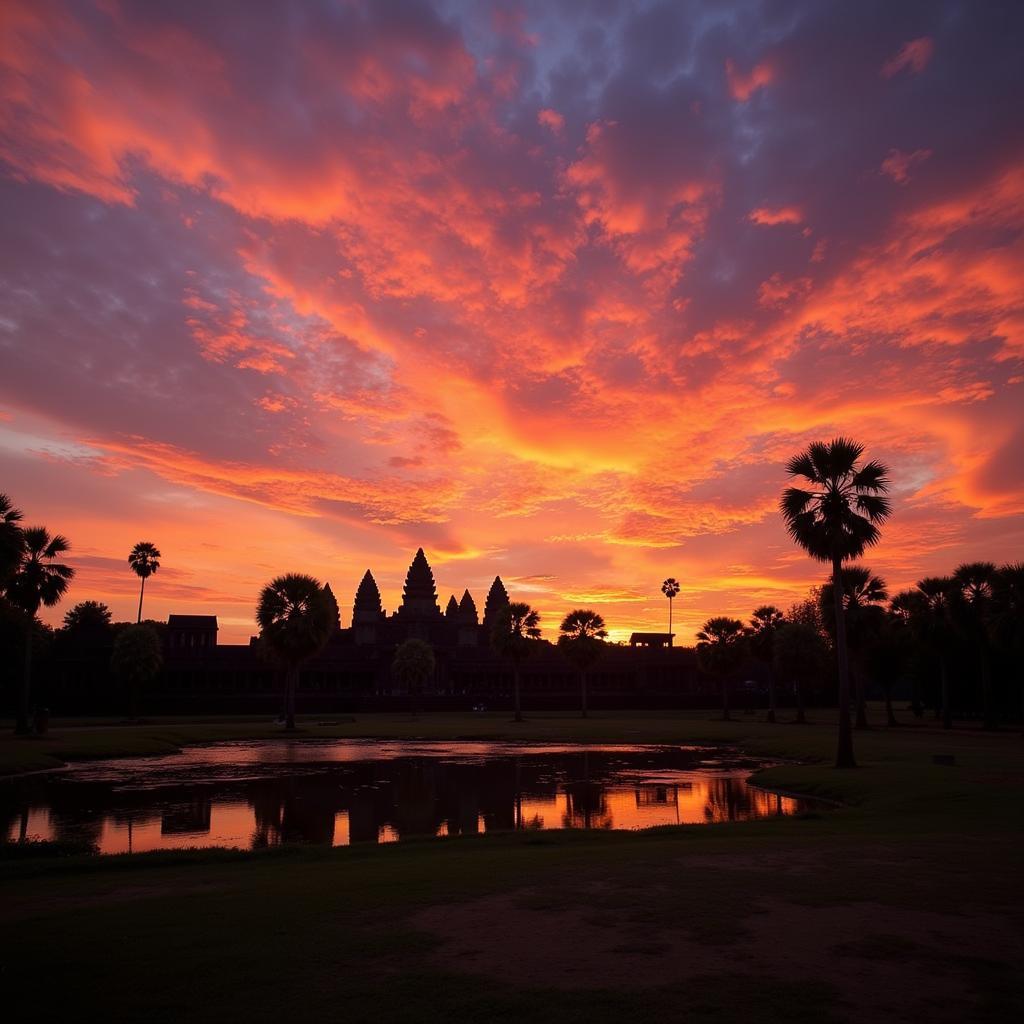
260 793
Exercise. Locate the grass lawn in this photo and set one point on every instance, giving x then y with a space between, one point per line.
906 902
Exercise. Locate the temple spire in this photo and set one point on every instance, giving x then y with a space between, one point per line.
367 607
497 599
333 601
419 597
467 610
452 609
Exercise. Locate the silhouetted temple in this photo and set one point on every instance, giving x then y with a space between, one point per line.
354 669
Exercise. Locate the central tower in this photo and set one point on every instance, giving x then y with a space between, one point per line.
419 597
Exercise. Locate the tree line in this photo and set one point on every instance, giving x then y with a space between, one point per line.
33 576
945 635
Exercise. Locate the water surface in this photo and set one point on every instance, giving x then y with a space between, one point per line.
335 792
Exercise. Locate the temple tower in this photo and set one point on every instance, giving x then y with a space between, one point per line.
469 625
367 613
452 610
333 602
419 597
497 599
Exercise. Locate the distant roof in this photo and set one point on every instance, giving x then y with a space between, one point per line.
192 621
650 638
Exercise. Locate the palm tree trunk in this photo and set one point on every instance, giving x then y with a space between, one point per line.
583 694
725 698
844 745
857 689
515 692
947 711
670 622
291 684
142 590
771 695
23 726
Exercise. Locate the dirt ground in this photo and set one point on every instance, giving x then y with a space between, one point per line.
886 962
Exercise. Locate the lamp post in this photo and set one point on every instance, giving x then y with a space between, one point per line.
670 588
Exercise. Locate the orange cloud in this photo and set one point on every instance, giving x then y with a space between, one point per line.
897 165
743 85
914 56
770 216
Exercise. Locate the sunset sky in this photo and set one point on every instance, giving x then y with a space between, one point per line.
550 290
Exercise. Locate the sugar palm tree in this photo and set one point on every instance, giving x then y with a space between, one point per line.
295 620
413 667
144 560
971 607
516 629
862 590
582 641
834 520
670 588
11 542
719 649
39 580
936 622
764 624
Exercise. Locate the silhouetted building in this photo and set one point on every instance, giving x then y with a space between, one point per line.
191 631
354 669
651 639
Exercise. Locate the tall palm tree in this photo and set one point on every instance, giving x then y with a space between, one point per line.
719 649
764 624
972 604
295 620
861 591
11 542
582 641
144 560
670 588
39 580
937 596
834 521
516 629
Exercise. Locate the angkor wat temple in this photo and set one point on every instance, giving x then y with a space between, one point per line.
354 669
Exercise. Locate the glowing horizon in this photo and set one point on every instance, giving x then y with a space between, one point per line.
552 292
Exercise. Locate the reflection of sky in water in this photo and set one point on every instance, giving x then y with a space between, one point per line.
339 792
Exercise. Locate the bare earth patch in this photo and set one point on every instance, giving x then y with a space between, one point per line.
885 963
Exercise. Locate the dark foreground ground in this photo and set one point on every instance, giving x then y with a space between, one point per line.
907 903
